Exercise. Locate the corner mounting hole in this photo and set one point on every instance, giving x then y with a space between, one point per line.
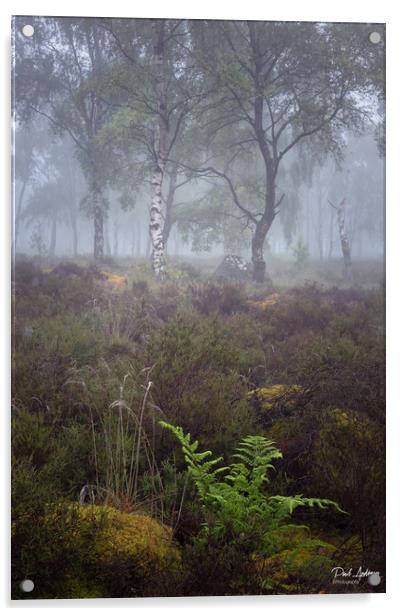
375 38
28 30
27 585
374 579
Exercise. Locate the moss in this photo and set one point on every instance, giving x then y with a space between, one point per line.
99 551
269 396
130 535
78 588
134 555
305 568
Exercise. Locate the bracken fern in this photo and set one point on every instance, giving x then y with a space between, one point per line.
236 505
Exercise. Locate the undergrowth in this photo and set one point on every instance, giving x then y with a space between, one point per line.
98 364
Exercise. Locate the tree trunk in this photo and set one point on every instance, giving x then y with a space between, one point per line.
344 240
98 214
169 204
320 225
107 239
73 222
138 240
263 225
156 218
73 207
259 265
148 246
115 238
133 243
176 243
330 251
156 236
98 226
52 245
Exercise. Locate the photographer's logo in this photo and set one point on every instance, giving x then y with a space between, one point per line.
351 576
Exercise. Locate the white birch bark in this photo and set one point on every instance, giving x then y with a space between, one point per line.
156 225
156 217
98 214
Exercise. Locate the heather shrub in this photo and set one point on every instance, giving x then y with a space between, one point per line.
343 458
197 368
97 365
32 437
25 274
218 297
45 354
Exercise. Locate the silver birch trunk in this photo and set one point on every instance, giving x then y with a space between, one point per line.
169 205
98 225
107 241
331 224
115 238
53 232
156 223
344 240
156 218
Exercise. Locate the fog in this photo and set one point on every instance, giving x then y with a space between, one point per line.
306 213
215 178
198 308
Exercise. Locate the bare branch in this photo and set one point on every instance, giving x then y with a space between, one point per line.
211 171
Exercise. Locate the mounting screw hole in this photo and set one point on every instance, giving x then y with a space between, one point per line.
28 30
27 585
375 38
374 579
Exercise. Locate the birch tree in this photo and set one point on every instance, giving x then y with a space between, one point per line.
156 217
58 75
158 90
344 239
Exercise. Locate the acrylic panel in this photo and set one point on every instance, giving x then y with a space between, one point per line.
198 358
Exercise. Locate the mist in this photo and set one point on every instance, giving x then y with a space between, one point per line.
198 308
200 213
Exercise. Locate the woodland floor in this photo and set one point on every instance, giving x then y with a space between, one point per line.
101 354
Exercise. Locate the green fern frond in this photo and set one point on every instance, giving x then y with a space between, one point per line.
237 505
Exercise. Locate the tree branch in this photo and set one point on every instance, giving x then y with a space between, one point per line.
208 171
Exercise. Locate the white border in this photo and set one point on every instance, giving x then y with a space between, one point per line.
338 10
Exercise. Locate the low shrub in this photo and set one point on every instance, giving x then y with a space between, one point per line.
214 297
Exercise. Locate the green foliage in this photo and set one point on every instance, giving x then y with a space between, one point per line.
343 458
208 220
237 506
299 568
53 346
197 363
31 438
